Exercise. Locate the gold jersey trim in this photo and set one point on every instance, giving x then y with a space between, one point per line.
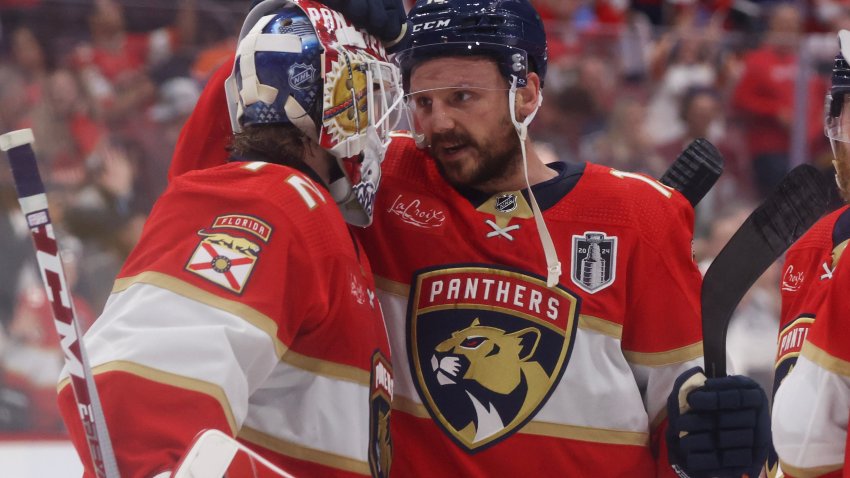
393 287
301 452
602 326
587 434
408 406
809 472
825 360
669 357
173 284
571 432
327 369
166 378
252 316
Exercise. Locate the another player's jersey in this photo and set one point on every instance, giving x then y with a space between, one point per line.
498 375
248 307
812 406
809 268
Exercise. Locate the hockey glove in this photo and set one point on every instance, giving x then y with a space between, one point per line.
385 19
718 427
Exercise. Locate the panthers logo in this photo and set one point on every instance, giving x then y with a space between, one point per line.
489 363
380 442
487 347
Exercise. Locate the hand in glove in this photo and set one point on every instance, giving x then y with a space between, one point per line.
718 427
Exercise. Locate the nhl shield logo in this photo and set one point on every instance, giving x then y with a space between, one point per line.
506 203
594 261
487 346
301 76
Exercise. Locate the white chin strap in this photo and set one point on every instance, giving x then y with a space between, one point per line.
835 164
553 265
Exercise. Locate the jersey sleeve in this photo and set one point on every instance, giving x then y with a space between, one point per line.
662 330
811 409
205 135
202 312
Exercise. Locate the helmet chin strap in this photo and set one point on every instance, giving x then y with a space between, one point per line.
553 265
835 165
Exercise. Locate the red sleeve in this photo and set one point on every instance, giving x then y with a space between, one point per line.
204 138
141 422
663 306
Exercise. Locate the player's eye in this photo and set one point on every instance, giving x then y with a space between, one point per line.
473 342
422 102
461 96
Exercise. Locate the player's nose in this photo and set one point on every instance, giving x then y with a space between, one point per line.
441 119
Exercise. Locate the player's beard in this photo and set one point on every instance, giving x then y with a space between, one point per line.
842 168
481 165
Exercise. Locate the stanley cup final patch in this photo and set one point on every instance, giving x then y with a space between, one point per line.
228 250
594 261
487 346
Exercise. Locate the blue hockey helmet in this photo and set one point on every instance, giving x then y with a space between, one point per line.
301 63
510 31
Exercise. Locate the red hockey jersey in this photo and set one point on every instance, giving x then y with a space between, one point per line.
248 307
498 375
808 279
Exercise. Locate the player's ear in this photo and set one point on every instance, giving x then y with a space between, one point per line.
527 98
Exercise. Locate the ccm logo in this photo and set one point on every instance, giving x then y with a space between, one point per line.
431 25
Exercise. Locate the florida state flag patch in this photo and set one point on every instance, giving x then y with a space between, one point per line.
229 250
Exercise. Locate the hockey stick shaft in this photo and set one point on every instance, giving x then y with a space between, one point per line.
794 206
33 201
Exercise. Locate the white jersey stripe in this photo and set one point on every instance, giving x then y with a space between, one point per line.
319 420
811 395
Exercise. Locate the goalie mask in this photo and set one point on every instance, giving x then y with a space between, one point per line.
301 63
837 115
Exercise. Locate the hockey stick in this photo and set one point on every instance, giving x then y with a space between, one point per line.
33 200
695 170
797 203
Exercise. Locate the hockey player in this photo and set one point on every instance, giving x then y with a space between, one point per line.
810 411
248 306
500 374
536 331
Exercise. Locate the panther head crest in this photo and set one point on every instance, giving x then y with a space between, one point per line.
496 370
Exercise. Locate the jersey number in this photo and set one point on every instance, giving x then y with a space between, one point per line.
665 190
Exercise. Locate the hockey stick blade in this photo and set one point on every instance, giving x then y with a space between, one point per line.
798 202
33 200
695 170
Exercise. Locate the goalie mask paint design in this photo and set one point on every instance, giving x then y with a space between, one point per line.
487 347
301 63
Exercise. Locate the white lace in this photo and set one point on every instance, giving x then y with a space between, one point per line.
501 231
553 265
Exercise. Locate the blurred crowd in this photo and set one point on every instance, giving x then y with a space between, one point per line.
107 84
